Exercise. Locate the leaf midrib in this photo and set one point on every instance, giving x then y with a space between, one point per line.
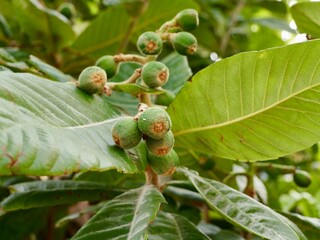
136 209
239 119
193 179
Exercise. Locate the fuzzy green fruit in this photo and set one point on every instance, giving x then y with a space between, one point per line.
187 19
302 178
149 43
164 165
165 98
155 74
126 134
162 146
184 43
92 80
154 122
108 64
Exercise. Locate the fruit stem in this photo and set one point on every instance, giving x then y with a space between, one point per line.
108 88
234 16
134 77
249 190
166 36
151 177
233 175
130 58
166 26
283 169
132 25
145 98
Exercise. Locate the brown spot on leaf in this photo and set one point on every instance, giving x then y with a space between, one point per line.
13 159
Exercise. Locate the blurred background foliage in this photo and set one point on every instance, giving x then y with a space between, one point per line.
91 28
70 35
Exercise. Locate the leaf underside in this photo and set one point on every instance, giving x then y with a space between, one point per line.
49 193
240 209
51 128
306 16
125 217
169 226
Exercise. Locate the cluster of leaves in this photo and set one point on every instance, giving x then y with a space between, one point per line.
58 162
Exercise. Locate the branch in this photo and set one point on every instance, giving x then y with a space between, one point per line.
225 40
132 25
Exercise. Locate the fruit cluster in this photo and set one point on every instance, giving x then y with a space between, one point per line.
154 74
173 31
152 124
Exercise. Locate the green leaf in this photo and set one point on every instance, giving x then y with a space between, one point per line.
293 227
252 106
103 36
216 233
306 15
240 209
49 193
309 226
50 71
135 89
183 195
125 217
179 70
41 23
51 128
73 216
20 224
168 226
274 23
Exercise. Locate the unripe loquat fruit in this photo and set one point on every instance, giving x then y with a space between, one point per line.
149 43
155 74
92 80
154 122
162 146
126 134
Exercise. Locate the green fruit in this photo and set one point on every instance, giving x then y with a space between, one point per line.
164 165
154 122
92 80
302 178
184 43
67 9
187 19
155 74
126 134
149 43
165 98
108 64
162 146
